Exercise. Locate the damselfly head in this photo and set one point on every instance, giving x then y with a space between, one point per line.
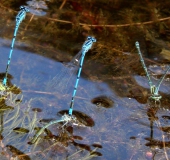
88 44
24 8
91 38
137 44
156 97
154 93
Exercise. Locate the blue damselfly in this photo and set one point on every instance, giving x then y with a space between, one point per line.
19 18
86 46
69 118
154 89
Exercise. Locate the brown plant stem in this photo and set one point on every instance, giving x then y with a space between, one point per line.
101 25
62 5
111 26
29 21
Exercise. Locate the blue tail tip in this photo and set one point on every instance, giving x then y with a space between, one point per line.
70 111
4 81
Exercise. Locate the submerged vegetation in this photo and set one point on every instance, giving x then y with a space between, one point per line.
115 119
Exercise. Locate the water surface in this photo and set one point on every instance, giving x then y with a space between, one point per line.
113 89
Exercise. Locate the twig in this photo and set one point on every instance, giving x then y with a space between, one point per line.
62 5
100 25
111 26
29 21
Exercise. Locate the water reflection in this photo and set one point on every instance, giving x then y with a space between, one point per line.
157 124
58 140
113 64
16 153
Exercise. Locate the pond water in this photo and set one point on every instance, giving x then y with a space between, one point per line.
115 119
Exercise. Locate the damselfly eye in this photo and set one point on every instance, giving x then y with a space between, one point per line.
93 39
26 9
89 38
21 7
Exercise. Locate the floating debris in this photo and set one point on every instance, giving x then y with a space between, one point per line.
166 117
18 101
103 101
133 137
83 119
95 153
17 153
5 108
37 110
21 130
83 146
153 143
97 145
165 129
77 137
46 120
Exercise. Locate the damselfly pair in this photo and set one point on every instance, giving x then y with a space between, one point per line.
154 89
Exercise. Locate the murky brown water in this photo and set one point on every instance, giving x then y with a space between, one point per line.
112 98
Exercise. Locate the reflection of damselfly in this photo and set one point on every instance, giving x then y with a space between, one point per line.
154 89
19 18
